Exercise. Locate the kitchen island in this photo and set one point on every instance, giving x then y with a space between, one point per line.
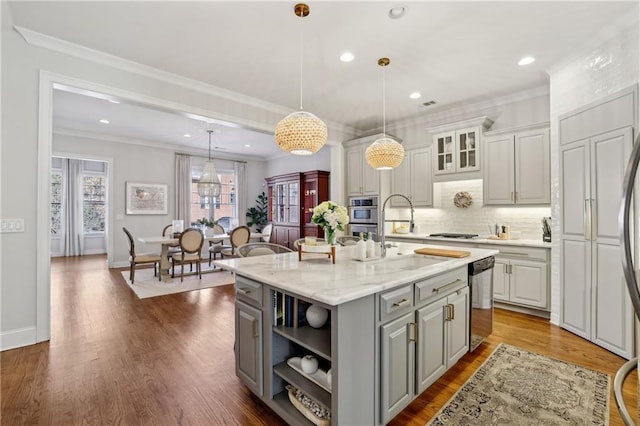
394 326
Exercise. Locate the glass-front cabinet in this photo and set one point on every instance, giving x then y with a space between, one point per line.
457 151
285 202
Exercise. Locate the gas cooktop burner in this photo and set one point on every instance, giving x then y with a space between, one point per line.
449 235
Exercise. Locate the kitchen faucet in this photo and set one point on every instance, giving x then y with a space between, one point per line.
383 250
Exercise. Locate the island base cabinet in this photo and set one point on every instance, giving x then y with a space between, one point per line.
397 368
249 346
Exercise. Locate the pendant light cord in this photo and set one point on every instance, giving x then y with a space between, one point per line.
384 107
301 55
210 131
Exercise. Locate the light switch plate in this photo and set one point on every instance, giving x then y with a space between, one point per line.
11 225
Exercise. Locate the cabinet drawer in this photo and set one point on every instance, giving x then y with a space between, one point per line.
395 302
524 253
248 290
441 285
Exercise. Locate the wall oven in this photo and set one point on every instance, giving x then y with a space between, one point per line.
363 210
355 230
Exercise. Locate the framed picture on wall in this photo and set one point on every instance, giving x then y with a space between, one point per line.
146 198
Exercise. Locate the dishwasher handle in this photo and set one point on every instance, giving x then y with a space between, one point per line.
481 265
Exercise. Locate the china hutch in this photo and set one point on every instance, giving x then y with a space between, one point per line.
292 198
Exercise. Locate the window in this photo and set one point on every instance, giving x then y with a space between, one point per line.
56 202
93 203
221 208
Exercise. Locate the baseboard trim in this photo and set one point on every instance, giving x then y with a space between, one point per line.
18 338
124 264
522 309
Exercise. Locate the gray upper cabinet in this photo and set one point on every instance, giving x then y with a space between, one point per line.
517 167
360 177
413 179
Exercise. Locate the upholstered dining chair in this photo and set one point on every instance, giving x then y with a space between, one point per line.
141 258
239 236
215 246
191 246
260 249
347 240
173 248
266 233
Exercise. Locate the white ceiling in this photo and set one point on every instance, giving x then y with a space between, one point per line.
452 52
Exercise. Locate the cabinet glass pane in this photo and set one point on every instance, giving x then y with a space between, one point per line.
463 159
463 141
472 158
281 205
294 209
449 161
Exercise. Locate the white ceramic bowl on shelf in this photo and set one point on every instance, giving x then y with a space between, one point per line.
317 316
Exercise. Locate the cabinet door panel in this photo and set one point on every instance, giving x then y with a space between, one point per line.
576 279
354 172
532 171
467 149
397 366
369 176
431 362
499 168
500 280
609 160
529 283
249 346
401 183
420 178
444 153
575 190
613 328
458 326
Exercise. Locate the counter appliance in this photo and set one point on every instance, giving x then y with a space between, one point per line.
481 306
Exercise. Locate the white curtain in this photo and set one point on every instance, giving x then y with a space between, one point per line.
72 200
241 192
183 189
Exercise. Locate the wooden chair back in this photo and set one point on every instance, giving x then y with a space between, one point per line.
267 233
132 244
191 240
239 236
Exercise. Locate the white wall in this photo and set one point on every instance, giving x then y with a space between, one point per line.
593 74
289 163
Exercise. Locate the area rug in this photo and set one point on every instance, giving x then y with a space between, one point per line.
517 387
146 285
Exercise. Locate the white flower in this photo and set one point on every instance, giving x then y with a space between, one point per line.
329 214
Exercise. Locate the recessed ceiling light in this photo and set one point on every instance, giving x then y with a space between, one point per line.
347 57
397 12
415 95
247 145
113 101
187 135
526 60
103 121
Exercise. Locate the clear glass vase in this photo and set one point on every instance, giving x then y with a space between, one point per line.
330 235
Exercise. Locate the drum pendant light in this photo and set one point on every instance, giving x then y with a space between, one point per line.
209 184
384 153
301 132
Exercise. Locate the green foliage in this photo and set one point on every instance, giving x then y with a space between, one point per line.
257 215
207 222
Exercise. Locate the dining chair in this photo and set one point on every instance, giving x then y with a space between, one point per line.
261 249
215 246
239 236
297 243
173 248
266 233
190 242
141 258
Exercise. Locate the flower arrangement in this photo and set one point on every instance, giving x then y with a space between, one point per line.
331 217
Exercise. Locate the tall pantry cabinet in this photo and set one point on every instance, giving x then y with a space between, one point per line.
594 151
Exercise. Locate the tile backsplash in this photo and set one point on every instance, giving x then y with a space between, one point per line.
475 219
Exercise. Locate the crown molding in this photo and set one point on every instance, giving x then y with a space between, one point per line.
72 49
534 126
155 145
462 108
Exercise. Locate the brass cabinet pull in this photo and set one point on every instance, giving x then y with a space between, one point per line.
403 302
256 333
453 311
447 286
413 332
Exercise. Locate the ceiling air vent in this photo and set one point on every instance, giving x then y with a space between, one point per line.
428 103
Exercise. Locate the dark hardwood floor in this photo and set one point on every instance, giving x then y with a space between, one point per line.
116 359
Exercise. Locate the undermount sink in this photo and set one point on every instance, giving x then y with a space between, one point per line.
406 262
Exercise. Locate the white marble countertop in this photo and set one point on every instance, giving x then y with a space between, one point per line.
316 278
479 240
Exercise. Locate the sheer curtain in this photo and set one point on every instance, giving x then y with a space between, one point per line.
72 200
241 190
183 189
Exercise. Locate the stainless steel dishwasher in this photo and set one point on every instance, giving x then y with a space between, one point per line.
481 287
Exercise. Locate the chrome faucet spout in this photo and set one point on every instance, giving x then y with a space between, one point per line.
383 248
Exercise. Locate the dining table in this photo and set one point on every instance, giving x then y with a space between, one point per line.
168 241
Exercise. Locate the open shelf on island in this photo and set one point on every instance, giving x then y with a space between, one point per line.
296 379
287 411
317 340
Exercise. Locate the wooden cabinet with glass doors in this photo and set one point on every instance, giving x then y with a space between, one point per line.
292 198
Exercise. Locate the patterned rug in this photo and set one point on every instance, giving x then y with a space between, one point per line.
517 387
147 285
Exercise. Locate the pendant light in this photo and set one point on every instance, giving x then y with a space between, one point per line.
209 185
301 133
384 153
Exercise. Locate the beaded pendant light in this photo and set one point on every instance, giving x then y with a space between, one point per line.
209 184
384 153
301 132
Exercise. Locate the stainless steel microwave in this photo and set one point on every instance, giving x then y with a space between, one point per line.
363 210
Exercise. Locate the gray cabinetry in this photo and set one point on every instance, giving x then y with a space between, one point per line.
413 179
360 177
249 335
521 276
397 372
